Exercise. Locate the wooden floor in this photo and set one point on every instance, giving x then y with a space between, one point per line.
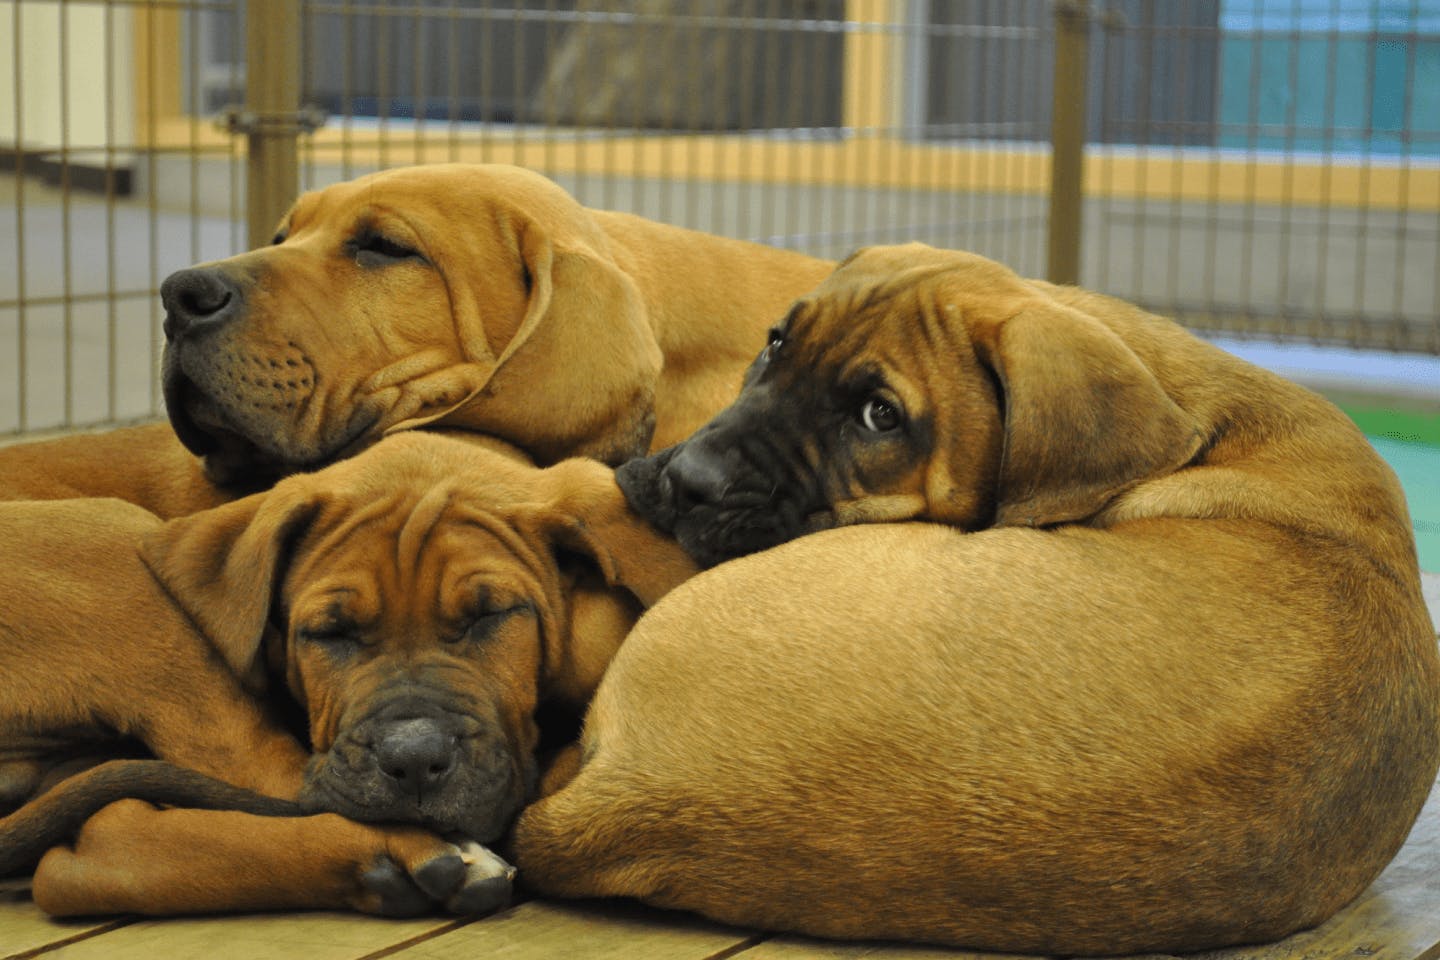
1398 918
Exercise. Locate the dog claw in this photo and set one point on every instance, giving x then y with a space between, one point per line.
488 882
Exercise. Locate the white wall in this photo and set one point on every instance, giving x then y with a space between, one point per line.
92 49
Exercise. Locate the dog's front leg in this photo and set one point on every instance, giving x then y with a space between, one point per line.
133 857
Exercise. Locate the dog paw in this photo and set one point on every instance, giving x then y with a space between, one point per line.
467 879
416 872
485 884
390 891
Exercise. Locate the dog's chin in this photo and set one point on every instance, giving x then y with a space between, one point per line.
232 459
482 819
712 536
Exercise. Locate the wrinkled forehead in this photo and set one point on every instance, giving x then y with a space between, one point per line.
890 287
854 306
347 205
411 493
437 192
427 553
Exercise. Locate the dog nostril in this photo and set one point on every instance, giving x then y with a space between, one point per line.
416 754
408 771
194 296
202 303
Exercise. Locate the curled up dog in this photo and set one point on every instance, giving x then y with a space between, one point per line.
1098 640
412 607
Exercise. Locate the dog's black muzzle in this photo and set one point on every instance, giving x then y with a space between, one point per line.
408 762
729 490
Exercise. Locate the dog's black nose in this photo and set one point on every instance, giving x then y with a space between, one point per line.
195 296
415 753
697 474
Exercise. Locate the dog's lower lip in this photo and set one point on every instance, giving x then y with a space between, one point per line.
179 394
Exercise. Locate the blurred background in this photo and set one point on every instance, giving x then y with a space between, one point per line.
1265 171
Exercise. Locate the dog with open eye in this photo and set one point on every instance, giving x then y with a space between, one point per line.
415 605
1098 639
478 297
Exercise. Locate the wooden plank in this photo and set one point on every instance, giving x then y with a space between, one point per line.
801 948
301 936
23 927
541 930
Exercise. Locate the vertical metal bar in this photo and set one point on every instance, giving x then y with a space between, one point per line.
909 121
1113 129
348 15
381 26
1143 127
1245 308
197 109
749 43
308 56
1398 330
272 97
547 107
1367 162
112 318
773 195
1321 323
151 139
234 158
1288 319
798 233
1067 140
419 87
22 378
452 27
67 355
1209 286
1182 44
990 106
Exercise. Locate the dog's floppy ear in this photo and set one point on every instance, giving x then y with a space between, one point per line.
579 373
222 567
1084 417
580 509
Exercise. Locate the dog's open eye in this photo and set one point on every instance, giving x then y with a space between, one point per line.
879 415
378 250
775 341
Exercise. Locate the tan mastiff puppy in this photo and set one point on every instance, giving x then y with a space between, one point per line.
1158 678
478 297
413 607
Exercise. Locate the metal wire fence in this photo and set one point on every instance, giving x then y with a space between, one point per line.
1255 167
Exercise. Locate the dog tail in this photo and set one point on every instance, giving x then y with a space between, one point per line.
56 815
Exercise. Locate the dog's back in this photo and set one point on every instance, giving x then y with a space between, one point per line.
1205 713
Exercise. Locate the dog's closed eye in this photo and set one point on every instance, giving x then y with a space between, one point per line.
374 249
487 621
